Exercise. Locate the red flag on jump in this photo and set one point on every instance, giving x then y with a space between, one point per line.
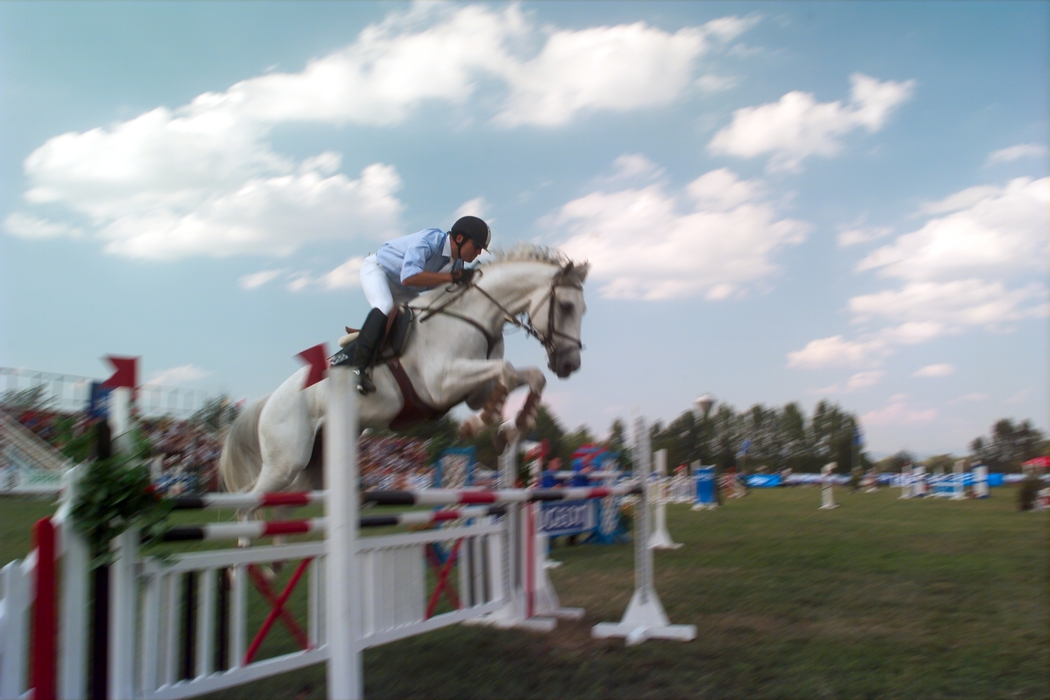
126 374
317 358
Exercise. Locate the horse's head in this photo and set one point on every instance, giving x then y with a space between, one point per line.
558 318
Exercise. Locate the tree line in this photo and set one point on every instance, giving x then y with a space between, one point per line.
750 440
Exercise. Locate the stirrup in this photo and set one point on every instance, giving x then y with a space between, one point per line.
364 383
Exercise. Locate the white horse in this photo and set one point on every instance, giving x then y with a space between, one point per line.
453 354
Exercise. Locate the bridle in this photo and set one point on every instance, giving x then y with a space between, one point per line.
548 341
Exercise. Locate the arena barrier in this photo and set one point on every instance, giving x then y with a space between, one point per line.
178 626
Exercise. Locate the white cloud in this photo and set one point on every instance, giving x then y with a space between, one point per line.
974 397
716 83
899 411
1020 397
345 276
475 207
863 380
717 238
979 262
836 351
635 165
990 230
258 279
178 376
946 305
204 178
617 68
1024 150
938 370
858 381
797 126
26 225
855 235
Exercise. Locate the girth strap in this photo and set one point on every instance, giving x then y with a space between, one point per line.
415 410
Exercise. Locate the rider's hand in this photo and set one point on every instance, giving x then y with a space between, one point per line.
463 275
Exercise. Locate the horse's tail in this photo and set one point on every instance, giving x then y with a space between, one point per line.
241 459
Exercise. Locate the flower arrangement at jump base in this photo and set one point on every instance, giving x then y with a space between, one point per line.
113 494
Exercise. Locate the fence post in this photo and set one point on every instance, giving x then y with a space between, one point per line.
343 587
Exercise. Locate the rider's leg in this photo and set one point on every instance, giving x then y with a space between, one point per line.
368 342
377 291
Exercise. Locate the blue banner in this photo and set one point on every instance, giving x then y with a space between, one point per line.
98 404
762 481
568 517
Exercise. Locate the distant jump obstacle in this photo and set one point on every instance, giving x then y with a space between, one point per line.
177 628
915 482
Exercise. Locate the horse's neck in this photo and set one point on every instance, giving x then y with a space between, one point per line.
514 285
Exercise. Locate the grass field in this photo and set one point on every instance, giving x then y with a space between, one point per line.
881 598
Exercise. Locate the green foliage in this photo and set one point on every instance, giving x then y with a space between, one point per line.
441 434
1028 492
1008 446
216 414
113 495
32 399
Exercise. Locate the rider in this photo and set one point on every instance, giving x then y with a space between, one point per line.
403 269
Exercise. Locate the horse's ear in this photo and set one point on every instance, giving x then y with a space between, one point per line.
582 271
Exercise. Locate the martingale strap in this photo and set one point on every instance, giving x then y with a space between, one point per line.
415 410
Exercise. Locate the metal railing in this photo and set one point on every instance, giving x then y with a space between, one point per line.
71 394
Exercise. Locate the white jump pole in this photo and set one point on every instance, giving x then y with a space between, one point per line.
345 672
905 482
920 484
959 490
661 538
980 481
827 494
645 617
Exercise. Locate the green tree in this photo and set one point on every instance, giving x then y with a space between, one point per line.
548 428
216 414
34 398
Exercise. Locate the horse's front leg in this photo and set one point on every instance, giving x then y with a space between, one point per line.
511 430
493 379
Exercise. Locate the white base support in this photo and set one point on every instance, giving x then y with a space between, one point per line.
644 620
661 539
704 506
829 506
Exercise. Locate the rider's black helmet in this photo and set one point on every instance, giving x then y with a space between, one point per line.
475 229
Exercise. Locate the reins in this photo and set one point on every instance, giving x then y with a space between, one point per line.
525 325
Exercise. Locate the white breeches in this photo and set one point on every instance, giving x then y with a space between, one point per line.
377 287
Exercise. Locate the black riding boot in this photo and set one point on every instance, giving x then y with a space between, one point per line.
368 341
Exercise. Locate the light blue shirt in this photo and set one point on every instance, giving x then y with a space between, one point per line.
428 250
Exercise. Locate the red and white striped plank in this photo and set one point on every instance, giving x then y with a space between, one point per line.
248 500
431 517
252 529
448 497
273 528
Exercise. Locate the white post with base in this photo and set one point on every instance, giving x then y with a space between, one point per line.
343 595
661 538
645 617
827 492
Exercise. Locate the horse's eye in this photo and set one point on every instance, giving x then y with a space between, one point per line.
566 307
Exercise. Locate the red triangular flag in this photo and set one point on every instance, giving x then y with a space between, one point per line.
317 358
126 374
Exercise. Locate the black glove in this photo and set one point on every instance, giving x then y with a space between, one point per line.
463 275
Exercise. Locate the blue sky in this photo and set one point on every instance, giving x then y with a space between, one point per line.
780 201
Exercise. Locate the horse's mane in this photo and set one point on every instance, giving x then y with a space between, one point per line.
520 252
527 252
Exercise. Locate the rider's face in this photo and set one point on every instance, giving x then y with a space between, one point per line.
468 250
